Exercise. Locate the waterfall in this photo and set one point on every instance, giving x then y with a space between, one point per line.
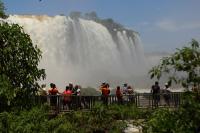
83 51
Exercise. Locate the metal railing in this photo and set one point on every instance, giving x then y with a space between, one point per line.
141 100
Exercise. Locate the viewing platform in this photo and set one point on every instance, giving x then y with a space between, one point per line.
140 100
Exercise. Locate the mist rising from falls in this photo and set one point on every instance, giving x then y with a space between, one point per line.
83 51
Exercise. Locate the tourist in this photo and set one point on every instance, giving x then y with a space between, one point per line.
125 88
130 90
166 94
78 94
119 95
67 99
130 93
71 87
76 89
105 93
155 90
53 91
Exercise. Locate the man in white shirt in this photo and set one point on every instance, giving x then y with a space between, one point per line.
125 89
166 95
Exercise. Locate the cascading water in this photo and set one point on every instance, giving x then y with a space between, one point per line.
83 51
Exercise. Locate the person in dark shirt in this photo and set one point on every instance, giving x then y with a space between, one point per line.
119 95
155 90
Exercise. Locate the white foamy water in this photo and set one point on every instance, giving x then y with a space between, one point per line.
148 90
83 51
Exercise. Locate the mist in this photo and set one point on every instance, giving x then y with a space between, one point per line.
84 51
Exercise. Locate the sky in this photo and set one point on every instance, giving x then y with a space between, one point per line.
163 25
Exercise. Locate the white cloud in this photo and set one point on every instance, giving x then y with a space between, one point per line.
173 26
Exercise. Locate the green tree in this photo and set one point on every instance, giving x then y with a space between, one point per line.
2 10
19 60
181 67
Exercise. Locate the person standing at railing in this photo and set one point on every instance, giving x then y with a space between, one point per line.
130 90
130 93
166 94
155 90
71 87
105 93
78 95
53 91
67 99
125 88
76 90
119 95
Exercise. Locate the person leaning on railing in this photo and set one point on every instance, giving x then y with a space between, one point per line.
119 95
155 90
166 94
53 91
67 97
130 93
105 93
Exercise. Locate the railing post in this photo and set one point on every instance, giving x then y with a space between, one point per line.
152 100
58 103
149 96
138 100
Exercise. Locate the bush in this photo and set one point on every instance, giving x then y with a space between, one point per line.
183 120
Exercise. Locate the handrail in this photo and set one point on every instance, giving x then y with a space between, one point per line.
144 100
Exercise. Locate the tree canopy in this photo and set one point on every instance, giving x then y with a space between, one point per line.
19 60
2 10
183 66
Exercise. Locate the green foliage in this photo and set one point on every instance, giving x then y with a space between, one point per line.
24 122
65 128
183 120
4 122
122 112
101 118
162 121
6 93
2 10
61 124
183 66
18 65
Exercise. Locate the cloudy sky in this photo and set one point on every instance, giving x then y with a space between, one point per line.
163 24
